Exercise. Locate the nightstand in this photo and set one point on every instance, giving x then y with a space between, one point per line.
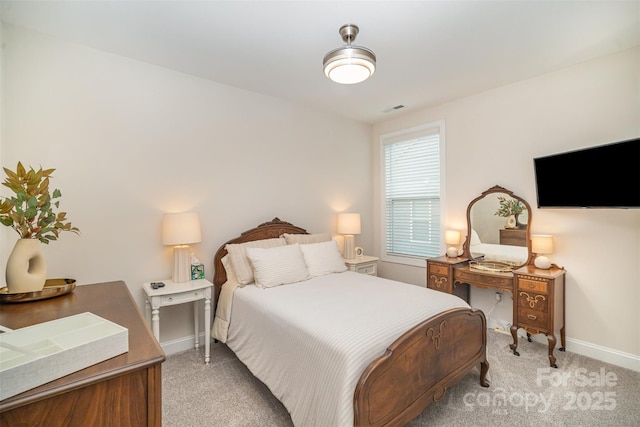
363 264
179 293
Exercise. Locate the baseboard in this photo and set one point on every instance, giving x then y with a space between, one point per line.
181 344
608 355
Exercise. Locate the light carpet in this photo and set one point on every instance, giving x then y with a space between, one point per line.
524 392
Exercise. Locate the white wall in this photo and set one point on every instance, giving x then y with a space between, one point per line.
491 139
130 141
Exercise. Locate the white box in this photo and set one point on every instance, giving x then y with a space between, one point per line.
41 353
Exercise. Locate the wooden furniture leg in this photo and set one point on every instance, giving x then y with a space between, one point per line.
514 334
552 345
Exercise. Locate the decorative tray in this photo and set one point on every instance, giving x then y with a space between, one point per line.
40 353
52 288
493 266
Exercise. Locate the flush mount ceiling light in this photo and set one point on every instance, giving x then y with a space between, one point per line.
349 64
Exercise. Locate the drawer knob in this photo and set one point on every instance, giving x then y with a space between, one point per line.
532 317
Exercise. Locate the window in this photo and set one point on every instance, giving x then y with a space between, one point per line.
411 174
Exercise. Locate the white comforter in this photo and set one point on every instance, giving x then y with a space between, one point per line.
309 342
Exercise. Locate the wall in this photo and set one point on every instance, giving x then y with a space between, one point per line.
491 139
130 141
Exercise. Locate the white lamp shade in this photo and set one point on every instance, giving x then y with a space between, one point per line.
542 244
181 228
349 223
452 237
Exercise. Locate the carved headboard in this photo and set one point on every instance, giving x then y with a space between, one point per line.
267 230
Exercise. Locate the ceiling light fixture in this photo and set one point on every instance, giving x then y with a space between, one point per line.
349 64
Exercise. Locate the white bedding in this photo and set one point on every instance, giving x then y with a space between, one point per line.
309 342
503 253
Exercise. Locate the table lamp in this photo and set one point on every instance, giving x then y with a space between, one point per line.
179 230
541 245
349 224
452 237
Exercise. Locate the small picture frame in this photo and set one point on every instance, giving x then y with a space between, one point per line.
359 251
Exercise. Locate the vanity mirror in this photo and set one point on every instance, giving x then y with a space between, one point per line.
498 227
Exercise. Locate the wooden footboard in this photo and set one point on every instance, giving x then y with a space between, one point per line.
419 366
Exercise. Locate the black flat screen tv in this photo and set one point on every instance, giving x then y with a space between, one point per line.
606 176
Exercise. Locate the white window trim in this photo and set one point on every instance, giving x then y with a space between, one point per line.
407 260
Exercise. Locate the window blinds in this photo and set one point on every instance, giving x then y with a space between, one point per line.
412 196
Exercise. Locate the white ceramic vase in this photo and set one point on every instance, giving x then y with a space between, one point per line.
26 267
511 222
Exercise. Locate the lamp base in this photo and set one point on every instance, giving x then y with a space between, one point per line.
349 243
542 262
452 252
181 264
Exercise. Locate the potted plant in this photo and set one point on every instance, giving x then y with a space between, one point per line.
510 209
31 212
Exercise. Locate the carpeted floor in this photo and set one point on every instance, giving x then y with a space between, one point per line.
524 392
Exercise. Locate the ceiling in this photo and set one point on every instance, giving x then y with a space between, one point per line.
429 52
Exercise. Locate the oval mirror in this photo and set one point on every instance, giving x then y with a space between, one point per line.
498 225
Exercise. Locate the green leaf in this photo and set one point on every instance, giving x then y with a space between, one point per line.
30 211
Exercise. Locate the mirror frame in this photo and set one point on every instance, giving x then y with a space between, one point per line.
497 189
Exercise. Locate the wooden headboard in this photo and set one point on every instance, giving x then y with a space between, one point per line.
267 230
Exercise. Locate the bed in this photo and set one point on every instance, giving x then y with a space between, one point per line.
329 363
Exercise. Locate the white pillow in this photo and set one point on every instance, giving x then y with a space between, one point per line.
228 268
278 266
239 261
304 239
323 258
475 239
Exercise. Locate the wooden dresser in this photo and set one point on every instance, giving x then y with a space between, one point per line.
513 237
122 391
538 305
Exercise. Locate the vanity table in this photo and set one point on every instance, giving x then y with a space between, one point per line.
538 295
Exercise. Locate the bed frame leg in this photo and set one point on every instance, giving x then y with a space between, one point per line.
484 368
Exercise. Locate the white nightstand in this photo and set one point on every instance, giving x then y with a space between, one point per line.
363 264
178 293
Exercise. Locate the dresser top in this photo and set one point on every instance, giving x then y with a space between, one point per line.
111 301
531 269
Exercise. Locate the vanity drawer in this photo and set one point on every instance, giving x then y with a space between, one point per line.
532 301
533 318
438 269
439 283
484 280
533 285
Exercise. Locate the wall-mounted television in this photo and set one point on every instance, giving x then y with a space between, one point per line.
606 176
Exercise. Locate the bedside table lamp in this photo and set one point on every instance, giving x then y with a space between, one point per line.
452 237
541 245
180 230
349 224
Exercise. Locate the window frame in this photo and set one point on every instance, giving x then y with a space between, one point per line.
398 136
